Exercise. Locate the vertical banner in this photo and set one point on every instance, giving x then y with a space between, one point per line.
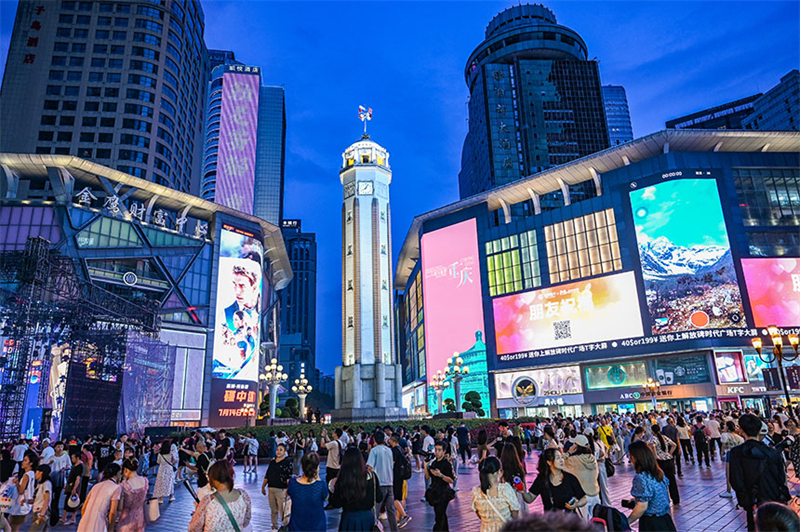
774 289
453 304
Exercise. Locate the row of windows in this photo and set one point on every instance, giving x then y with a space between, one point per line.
513 263
582 246
103 8
768 196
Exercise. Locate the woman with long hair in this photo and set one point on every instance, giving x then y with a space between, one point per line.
99 512
728 440
685 438
217 510
308 493
549 437
601 453
559 489
514 475
650 490
483 445
664 447
298 448
356 491
40 517
167 465
134 493
495 502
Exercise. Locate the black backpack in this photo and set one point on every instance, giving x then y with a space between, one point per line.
616 521
752 478
403 465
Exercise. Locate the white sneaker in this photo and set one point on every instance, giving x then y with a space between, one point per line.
726 495
383 516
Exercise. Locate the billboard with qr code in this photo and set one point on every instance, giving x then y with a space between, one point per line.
591 310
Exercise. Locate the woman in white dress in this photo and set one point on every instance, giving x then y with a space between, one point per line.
99 512
167 464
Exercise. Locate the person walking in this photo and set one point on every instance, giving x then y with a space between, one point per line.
729 439
700 435
73 489
279 471
601 453
582 463
714 437
225 510
167 465
381 463
298 445
134 493
440 473
513 474
664 448
23 491
99 512
356 492
650 491
671 431
40 512
757 472
559 489
59 470
251 454
493 501
308 493
464 444
401 473
685 438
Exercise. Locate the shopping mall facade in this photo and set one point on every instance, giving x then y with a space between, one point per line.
112 285
690 248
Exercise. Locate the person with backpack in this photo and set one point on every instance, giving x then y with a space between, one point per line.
402 473
757 472
381 463
700 435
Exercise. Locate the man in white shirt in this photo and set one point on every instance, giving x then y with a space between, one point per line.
60 465
47 452
381 463
345 438
18 453
714 435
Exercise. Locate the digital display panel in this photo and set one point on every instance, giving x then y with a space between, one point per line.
237 334
685 369
238 132
690 282
452 298
774 289
754 368
525 386
592 310
730 367
622 375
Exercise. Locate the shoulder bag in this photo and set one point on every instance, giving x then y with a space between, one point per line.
152 511
493 507
377 525
236 527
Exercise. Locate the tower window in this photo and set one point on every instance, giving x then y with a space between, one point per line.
365 158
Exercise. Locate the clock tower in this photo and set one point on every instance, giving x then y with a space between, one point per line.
369 381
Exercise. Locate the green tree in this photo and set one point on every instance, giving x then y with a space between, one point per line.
473 403
449 405
291 408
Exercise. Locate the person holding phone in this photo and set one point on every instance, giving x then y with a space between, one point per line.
559 490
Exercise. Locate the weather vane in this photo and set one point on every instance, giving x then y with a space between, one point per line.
364 114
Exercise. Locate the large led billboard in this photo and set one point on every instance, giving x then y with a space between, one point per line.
238 131
689 278
453 303
525 387
592 310
237 332
774 289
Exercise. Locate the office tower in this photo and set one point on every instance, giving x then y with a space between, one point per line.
299 303
119 83
270 155
369 381
728 115
231 135
618 115
535 102
221 57
779 108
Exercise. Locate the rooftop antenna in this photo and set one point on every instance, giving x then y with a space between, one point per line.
365 114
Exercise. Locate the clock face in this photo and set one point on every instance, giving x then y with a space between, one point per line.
364 187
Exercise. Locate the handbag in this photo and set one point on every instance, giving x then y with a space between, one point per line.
610 469
152 511
377 526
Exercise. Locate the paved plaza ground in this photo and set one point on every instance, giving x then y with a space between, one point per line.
701 508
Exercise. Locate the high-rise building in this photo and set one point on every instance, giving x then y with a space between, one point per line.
270 155
117 82
299 303
229 170
726 116
368 383
221 57
779 108
535 102
618 115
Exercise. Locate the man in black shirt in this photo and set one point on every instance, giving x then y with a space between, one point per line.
440 473
462 433
202 464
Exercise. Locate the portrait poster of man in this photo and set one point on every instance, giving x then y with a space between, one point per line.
238 317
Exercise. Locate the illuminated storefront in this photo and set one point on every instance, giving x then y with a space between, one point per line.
629 285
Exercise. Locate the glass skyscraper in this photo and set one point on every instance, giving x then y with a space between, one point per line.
779 108
535 102
618 115
270 155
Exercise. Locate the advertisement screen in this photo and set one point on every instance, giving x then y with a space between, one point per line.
453 305
525 386
730 367
237 334
685 369
604 308
754 368
774 289
623 375
238 132
689 278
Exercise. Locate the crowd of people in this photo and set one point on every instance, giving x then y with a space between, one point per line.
366 474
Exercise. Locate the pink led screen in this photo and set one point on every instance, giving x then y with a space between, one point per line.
594 310
238 132
774 289
451 293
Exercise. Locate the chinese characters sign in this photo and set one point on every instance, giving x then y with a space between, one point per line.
232 402
774 289
594 310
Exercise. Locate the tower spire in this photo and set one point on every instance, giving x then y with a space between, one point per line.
365 114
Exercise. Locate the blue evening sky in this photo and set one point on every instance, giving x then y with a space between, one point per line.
406 61
688 212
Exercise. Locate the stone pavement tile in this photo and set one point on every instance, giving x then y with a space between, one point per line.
701 508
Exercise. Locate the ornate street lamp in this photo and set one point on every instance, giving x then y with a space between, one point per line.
439 383
455 371
652 389
272 377
302 388
780 355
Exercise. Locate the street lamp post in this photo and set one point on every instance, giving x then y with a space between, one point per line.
652 389
455 371
273 376
439 383
780 355
302 388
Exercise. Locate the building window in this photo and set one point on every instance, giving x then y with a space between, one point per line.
768 196
513 263
64 136
582 246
